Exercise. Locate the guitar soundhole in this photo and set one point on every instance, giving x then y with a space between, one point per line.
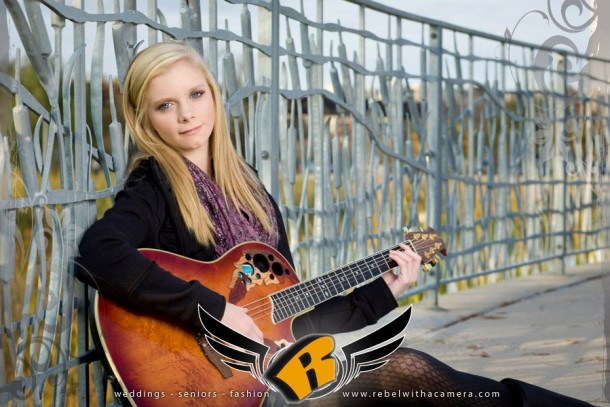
277 269
261 262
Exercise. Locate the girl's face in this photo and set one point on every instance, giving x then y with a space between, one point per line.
180 108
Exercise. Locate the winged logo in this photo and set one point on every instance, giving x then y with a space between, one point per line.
311 367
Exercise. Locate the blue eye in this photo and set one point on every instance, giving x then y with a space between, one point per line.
164 106
197 94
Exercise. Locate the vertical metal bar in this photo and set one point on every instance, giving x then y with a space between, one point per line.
265 161
195 8
470 190
272 166
435 138
80 158
500 229
213 43
398 199
152 14
360 150
320 259
564 174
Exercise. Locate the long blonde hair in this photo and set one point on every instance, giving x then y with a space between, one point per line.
230 172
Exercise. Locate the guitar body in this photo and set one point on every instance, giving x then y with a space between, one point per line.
159 363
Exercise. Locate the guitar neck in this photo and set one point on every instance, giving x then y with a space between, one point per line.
300 297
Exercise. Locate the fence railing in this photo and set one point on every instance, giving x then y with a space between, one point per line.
359 118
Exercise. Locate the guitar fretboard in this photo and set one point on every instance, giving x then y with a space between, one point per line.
297 298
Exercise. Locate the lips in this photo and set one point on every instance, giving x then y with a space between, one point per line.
190 131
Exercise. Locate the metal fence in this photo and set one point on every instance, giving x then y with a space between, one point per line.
358 126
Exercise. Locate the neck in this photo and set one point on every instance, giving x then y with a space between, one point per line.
202 161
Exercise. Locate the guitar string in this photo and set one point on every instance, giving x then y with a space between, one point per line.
285 304
328 278
323 287
317 285
312 281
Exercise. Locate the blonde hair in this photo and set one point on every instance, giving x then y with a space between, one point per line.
234 177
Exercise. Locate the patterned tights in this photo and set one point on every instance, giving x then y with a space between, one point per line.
424 379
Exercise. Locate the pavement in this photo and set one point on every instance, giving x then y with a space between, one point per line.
546 329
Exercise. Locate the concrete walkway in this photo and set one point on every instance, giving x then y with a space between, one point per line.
545 329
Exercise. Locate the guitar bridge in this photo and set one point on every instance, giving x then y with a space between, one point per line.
212 355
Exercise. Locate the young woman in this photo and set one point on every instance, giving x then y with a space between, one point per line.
189 193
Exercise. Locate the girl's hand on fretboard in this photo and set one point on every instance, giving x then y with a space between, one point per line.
409 263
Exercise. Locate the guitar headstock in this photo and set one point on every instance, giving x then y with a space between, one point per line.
428 244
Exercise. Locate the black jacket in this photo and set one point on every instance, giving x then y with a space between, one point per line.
145 214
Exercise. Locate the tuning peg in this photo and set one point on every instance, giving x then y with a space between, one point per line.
407 229
421 229
433 263
427 267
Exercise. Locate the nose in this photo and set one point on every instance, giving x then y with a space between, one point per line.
186 114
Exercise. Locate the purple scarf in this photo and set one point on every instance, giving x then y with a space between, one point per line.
231 225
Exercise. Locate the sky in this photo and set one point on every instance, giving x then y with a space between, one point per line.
495 16
521 18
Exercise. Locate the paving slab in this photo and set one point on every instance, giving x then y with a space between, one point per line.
547 329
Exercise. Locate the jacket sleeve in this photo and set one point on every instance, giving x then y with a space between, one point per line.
362 307
110 262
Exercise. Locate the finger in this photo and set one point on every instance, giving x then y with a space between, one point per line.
413 259
398 257
402 258
258 334
257 329
408 251
406 248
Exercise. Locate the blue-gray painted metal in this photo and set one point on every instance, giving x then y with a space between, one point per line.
357 130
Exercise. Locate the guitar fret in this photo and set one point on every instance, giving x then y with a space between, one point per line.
343 280
355 274
290 304
315 282
298 297
286 303
325 289
310 291
368 268
278 309
275 312
290 294
334 288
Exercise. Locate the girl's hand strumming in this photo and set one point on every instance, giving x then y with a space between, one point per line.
237 319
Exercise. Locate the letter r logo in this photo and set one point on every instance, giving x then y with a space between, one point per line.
304 367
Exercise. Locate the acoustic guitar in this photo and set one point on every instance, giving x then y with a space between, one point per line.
157 363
